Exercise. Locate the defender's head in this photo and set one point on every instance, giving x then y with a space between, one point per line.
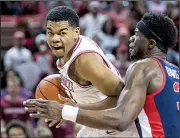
155 32
62 30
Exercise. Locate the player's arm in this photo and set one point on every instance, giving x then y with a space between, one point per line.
91 67
130 103
109 102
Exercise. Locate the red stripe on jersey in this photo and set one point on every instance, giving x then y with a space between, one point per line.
152 111
153 117
77 44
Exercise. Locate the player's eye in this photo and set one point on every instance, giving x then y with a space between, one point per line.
63 33
50 33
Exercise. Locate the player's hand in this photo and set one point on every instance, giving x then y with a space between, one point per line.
66 101
44 109
53 122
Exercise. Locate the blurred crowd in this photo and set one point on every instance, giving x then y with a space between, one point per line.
29 59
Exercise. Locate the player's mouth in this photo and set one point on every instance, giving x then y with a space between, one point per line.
57 47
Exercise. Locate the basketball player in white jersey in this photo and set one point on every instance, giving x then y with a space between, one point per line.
87 75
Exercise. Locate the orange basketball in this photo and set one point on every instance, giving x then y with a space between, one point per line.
50 87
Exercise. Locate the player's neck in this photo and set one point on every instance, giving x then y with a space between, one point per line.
69 54
156 53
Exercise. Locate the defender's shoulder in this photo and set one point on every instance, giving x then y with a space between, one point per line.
144 65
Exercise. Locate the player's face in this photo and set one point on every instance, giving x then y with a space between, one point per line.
138 46
61 37
16 132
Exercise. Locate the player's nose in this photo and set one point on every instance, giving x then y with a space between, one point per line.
131 39
55 39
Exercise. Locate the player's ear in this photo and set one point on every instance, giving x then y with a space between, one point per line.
77 32
152 44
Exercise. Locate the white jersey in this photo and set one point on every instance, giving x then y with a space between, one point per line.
85 94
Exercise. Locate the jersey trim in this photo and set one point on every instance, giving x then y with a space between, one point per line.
138 126
77 44
151 109
164 79
79 54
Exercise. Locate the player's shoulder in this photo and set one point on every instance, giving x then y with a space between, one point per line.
143 65
87 41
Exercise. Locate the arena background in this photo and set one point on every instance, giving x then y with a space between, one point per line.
24 21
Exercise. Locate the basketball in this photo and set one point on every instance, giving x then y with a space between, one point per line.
50 87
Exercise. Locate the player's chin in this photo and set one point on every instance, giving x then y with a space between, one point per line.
58 53
132 56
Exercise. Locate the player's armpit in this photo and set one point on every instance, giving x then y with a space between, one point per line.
91 67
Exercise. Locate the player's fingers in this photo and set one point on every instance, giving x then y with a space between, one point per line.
53 123
38 115
48 120
35 109
37 100
63 98
60 123
35 103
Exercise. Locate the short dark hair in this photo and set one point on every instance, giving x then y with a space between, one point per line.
63 13
163 27
15 123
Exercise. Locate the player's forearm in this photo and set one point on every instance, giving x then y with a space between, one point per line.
106 119
109 102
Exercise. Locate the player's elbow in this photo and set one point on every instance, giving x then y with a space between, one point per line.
120 125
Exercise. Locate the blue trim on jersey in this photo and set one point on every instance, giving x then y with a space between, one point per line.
138 126
166 103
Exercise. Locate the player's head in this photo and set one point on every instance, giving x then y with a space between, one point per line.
62 30
16 129
155 32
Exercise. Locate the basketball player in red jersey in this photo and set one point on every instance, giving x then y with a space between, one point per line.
151 93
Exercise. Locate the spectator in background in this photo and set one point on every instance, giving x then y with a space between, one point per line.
156 6
107 38
119 13
122 62
24 26
12 104
43 132
65 130
16 129
137 9
12 75
43 57
18 54
30 73
92 22
123 35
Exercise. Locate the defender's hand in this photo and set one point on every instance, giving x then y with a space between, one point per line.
44 109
